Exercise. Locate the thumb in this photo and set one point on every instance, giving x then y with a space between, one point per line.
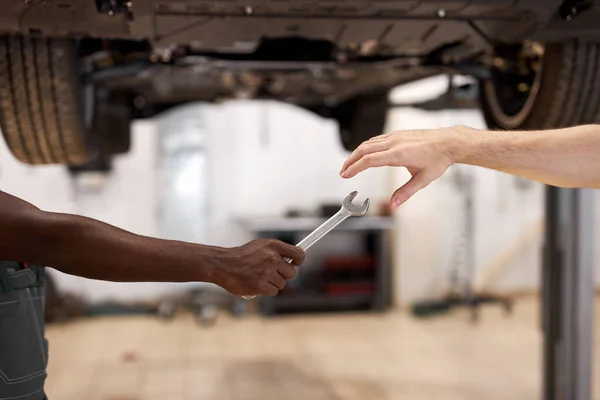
406 191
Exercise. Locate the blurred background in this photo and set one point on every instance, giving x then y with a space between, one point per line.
382 308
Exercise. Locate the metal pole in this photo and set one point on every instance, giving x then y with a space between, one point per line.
568 294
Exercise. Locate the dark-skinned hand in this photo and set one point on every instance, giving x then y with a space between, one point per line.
259 268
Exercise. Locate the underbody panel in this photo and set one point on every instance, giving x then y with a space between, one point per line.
300 51
403 25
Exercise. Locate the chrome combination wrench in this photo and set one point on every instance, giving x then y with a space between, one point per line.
348 210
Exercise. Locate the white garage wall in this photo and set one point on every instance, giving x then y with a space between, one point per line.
266 157
430 226
294 163
127 199
297 166
507 222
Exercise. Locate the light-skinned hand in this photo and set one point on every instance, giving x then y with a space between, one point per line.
424 153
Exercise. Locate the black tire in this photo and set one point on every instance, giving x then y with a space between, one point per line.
566 92
42 102
361 118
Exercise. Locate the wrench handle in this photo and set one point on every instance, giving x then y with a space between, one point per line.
322 230
315 236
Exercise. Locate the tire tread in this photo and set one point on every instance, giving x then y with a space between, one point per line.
570 88
40 111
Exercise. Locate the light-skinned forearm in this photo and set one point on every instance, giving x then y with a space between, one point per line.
568 157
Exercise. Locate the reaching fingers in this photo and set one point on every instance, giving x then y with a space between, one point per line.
370 160
367 147
416 183
380 137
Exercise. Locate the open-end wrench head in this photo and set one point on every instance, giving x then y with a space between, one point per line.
353 209
352 195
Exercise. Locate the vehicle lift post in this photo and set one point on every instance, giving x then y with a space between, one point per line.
568 294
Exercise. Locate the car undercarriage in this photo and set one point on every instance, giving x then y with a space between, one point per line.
101 63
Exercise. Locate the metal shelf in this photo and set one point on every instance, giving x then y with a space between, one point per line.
304 224
307 297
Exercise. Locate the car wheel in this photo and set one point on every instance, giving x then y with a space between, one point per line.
42 104
562 89
361 118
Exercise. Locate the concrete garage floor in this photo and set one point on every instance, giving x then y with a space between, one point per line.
328 357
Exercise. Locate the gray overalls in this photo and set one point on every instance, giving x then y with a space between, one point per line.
23 348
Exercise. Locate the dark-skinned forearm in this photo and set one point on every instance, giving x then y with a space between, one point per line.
89 248
92 249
